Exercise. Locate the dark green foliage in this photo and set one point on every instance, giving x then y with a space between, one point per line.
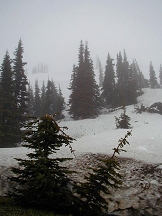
74 91
14 98
37 100
9 208
60 104
153 80
47 100
138 76
53 100
101 76
20 82
123 120
43 95
10 133
84 100
127 83
100 180
41 180
30 101
109 83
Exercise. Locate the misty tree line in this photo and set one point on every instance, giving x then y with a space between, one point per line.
117 87
48 99
41 68
17 100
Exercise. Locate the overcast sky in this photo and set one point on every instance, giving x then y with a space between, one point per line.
51 31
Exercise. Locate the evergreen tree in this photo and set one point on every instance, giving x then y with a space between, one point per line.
109 82
30 101
153 79
41 180
123 121
75 101
141 81
101 76
73 96
98 183
53 101
60 104
126 87
37 100
84 100
48 101
119 70
20 81
119 91
43 95
54 98
135 74
10 133
160 75
129 83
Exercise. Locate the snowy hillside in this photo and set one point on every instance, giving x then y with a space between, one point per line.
100 135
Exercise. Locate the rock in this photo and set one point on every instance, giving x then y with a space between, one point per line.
140 193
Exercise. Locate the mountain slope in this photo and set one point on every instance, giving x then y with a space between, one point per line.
100 135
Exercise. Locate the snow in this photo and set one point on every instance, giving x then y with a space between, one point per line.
100 135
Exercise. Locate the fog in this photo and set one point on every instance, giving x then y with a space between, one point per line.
51 31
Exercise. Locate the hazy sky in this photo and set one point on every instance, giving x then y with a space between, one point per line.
51 31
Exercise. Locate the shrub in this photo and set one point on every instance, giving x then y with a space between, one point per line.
123 120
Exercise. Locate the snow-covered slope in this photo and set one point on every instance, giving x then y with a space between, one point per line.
100 135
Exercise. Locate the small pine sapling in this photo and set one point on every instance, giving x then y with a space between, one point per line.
100 180
123 120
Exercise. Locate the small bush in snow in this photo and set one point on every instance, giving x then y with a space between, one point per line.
123 120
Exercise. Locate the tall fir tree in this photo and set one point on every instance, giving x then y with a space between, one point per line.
73 89
109 83
135 74
48 101
119 70
119 92
153 80
20 81
139 77
43 95
160 76
53 100
60 104
84 99
10 133
101 75
37 100
126 88
30 100
127 79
